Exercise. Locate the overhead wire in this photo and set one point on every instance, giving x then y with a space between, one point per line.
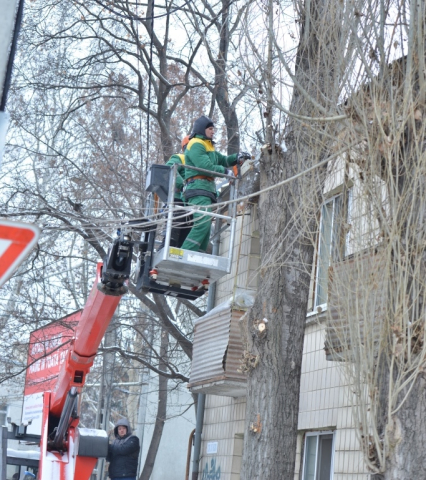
158 219
290 179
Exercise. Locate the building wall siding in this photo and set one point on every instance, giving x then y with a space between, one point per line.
324 405
243 276
223 423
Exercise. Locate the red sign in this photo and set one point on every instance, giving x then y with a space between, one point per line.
16 242
46 353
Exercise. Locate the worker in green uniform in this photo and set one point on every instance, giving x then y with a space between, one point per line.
182 225
179 159
200 189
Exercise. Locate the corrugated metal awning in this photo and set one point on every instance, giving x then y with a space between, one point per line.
217 353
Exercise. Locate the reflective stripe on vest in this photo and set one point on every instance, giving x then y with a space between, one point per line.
207 144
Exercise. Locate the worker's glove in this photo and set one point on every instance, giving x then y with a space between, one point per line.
242 157
230 172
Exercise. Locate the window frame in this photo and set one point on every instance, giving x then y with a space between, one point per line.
4 410
336 251
318 434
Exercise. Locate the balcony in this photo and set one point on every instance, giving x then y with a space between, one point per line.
357 305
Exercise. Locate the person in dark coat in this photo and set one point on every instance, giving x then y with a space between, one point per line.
123 453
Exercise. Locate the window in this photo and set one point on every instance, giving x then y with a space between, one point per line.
332 243
3 415
318 457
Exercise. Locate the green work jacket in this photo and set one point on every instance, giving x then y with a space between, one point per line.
179 159
200 153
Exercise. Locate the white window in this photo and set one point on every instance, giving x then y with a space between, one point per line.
332 242
318 456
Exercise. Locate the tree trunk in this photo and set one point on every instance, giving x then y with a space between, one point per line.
273 383
221 93
401 423
161 412
406 432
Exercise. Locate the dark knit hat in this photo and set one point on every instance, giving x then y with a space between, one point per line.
200 126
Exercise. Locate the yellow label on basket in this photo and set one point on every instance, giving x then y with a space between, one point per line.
175 252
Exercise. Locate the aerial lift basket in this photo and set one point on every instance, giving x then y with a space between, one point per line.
175 271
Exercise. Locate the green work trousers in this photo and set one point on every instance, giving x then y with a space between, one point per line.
198 238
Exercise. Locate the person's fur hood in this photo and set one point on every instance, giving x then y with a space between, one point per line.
125 423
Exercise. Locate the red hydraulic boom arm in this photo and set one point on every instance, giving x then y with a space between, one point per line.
94 321
66 451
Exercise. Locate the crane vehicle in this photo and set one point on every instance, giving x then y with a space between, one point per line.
68 452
